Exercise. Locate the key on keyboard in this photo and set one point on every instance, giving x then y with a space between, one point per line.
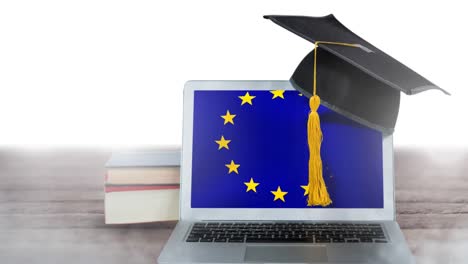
222 232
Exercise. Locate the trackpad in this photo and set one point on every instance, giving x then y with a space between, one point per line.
286 254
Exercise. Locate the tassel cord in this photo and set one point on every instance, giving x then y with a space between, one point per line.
318 194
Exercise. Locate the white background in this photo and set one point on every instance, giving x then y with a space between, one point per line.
99 73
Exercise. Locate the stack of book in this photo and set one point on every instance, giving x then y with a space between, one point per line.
142 186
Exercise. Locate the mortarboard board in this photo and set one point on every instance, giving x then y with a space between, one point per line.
352 77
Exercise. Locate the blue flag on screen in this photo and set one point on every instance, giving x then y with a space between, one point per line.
250 151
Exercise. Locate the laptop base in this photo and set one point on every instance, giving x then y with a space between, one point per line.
179 251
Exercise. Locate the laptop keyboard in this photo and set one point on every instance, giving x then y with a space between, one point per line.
225 232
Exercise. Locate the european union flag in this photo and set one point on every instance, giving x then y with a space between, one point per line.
250 151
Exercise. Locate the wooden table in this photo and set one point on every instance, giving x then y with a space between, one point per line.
52 211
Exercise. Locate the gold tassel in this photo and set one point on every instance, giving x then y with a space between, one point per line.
318 194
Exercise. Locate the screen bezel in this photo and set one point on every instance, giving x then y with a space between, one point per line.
290 214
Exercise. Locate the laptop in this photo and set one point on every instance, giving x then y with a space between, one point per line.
243 171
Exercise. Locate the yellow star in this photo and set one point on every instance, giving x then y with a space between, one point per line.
306 189
228 118
251 186
247 98
277 93
233 167
300 94
223 143
279 194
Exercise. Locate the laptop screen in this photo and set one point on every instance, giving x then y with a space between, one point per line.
250 151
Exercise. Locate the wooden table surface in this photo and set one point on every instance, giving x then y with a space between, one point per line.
52 210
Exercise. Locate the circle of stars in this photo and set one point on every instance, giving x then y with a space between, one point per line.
223 143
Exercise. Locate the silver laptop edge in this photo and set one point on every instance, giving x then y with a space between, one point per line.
178 251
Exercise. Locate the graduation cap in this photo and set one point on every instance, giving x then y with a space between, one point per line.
352 77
